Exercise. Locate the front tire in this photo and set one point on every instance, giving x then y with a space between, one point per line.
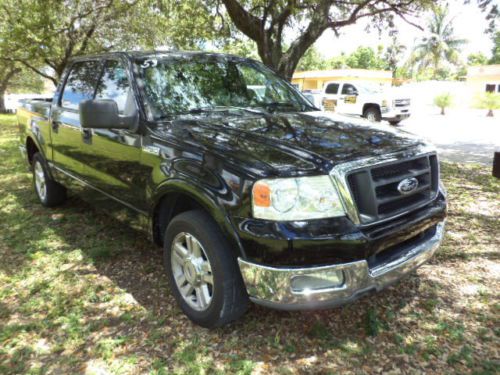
49 192
202 271
372 114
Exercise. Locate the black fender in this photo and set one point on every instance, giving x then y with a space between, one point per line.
207 198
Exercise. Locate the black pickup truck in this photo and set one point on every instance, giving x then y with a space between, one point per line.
252 192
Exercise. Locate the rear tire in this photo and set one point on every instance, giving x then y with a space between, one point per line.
49 192
372 114
202 270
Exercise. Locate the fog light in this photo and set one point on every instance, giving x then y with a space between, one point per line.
317 281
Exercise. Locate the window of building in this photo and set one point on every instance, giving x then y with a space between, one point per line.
490 87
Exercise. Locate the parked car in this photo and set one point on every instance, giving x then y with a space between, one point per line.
252 197
367 100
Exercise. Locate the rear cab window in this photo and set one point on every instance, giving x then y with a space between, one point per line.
332 88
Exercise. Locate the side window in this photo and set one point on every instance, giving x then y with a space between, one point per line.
114 84
348 89
332 88
80 84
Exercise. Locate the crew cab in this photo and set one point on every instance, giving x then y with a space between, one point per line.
364 99
252 193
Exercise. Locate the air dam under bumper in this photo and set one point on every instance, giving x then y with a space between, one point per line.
330 286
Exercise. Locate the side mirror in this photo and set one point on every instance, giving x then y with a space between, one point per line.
103 114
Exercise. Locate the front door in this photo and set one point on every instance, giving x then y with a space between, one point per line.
113 156
348 100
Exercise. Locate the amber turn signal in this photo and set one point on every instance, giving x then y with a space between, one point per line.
261 194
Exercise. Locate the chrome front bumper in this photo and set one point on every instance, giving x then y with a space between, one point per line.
277 287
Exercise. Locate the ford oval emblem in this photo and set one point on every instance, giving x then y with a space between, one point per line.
408 185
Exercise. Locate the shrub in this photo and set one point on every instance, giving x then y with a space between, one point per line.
443 101
489 101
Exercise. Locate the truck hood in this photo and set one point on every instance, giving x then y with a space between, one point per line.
287 143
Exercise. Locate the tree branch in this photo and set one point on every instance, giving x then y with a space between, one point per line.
247 23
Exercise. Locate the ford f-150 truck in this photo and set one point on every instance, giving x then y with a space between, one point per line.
253 193
367 100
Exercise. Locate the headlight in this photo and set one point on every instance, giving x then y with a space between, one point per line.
300 198
385 103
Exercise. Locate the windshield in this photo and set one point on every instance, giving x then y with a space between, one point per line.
180 85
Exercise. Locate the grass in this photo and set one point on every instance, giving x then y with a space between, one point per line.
80 292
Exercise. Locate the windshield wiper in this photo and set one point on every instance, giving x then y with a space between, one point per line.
220 108
273 106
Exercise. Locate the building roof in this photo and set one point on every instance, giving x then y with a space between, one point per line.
361 73
483 70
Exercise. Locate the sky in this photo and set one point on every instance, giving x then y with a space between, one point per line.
469 23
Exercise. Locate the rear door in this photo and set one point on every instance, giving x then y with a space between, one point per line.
67 136
331 96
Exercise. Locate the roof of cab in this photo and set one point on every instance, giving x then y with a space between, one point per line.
154 53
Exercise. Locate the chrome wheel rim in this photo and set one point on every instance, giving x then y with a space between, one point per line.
192 271
40 183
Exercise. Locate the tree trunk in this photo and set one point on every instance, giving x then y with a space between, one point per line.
442 111
490 113
4 83
2 101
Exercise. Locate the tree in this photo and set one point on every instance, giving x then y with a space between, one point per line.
439 46
43 35
266 22
393 54
7 73
338 62
195 24
443 101
313 60
366 58
16 78
477 59
489 101
495 52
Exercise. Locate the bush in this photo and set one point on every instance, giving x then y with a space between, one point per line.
443 101
489 101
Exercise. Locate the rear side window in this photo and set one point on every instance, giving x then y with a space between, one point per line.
332 88
114 84
80 84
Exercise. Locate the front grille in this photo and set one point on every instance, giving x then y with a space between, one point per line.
375 189
402 102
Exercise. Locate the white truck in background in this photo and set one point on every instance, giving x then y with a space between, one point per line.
370 101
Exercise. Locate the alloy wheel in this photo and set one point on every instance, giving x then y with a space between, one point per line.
192 271
40 182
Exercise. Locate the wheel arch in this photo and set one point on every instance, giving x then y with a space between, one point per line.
31 149
172 199
366 106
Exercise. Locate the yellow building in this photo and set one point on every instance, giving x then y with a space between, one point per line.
483 78
315 79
